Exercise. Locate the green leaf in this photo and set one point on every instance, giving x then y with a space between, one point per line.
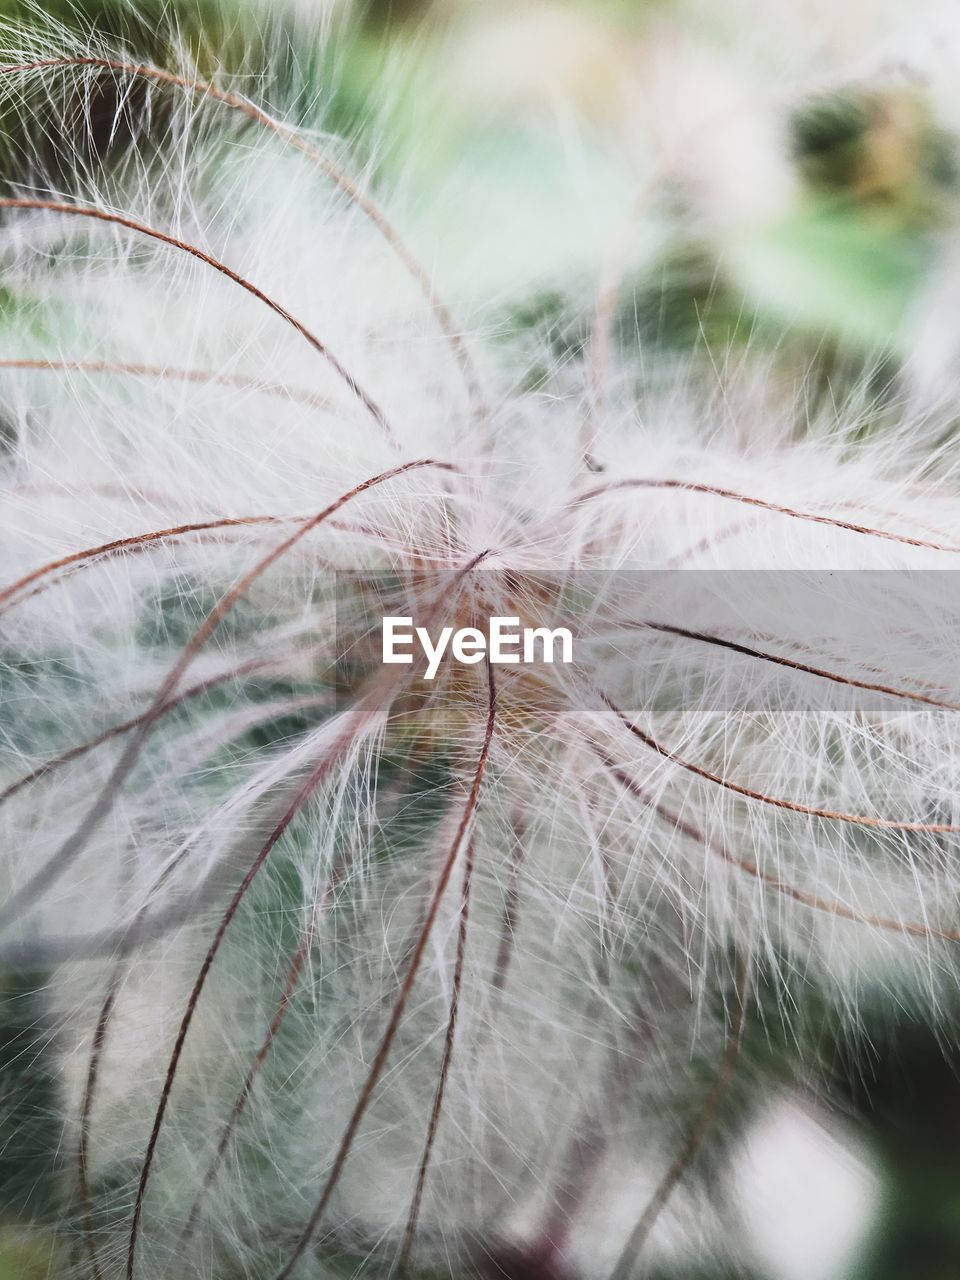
834 270
28 1253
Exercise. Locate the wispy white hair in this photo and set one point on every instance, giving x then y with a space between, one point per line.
341 970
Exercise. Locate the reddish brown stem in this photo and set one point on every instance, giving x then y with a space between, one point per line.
74 753
141 228
379 1061
379 695
293 138
715 491
413 1217
793 665
243 1097
83 1137
353 726
133 541
71 849
166 372
777 802
701 1127
827 906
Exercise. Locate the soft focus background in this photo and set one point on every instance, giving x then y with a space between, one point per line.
779 183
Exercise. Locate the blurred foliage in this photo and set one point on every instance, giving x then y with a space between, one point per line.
30 1254
878 150
29 1129
906 1094
826 271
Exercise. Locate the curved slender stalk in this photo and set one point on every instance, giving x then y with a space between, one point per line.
70 850
273 1030
134 541
354 725
99 214
380 1058
825 906
162 372
777 802
83 1136
779 660
81 749
378 697
334 173
704 1121
137 541
732 495
413 1216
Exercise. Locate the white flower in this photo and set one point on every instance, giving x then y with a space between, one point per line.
336 974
